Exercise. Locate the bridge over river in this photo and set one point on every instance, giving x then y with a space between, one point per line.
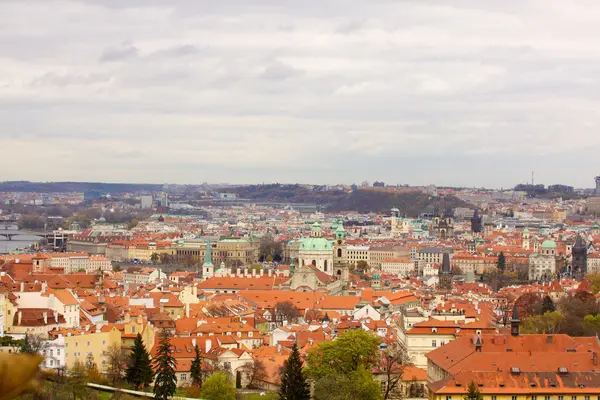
12 232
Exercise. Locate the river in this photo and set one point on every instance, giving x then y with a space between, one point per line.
6 246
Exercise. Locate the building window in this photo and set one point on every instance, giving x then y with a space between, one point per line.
561 397
58 354
547 397
448 397
433 343
514 398
573 397
184 377
493 397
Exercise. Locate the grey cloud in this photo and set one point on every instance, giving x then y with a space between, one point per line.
216 85
279 71
119 53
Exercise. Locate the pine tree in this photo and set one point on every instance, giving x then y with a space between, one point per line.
139 371
293 383
547 305
501 263
196 368
164 363
26 346
473 392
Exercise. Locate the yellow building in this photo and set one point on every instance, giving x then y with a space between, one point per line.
80 347
517 385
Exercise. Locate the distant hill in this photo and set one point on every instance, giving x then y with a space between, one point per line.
54 187
362 200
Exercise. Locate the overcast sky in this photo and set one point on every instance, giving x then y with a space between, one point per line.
473 92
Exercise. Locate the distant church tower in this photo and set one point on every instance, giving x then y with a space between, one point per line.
340 255
443 227
477 222
526 239
208 269
445 275
579 264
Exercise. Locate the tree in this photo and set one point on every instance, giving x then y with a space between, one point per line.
33 344
594 280
293 384
154 257
196 368
362 266
285 310
117 268
116 361
164 364
79 380
344 355
139 372
256 372
92 372
547 305
392 363
549 323
529 304
473 392
218 387
501 264
358 385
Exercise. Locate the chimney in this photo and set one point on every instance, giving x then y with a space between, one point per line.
187 310
549 339
51 301
193 342
262 271
208 344
278 348
270 272
20 317
239 272
253 272
55 316
22 286
45 314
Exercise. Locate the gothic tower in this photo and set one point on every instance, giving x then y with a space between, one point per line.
579 264
445 274
476 222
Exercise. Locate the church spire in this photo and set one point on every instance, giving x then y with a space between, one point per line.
208 255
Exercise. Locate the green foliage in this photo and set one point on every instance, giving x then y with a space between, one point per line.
357 385
362 200
218 387
26 346
293 384
196 368
549 323
501 264
473 392
594 281
79 380
548 305
154 257
353 349
591 324
9 341
165 384
139 369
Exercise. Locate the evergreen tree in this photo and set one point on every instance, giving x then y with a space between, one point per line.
473 392
139 370
164 364
196 368
547 305
293 383
501 264
26 346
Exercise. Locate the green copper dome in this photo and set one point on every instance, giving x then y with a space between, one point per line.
549 244
316 243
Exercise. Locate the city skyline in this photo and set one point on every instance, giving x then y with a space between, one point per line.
477 93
